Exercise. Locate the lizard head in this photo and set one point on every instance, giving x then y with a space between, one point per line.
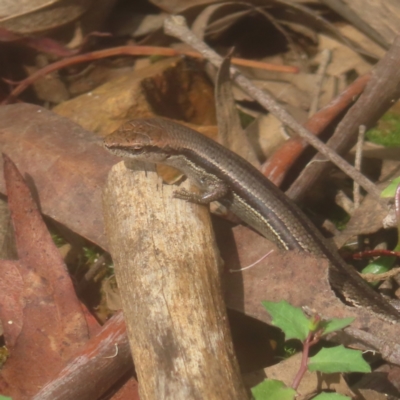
141 139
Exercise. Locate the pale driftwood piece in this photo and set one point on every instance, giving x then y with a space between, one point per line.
166 265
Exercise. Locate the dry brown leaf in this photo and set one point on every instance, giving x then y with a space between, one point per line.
382 16
230 132
384 379
169 88
368 394
12 302
228 13
343 58
267 133
50 87
113 298
362 40
65 162
35 16
177 6
131 22
365 220
294 90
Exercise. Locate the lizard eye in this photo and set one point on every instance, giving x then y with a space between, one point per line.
137 147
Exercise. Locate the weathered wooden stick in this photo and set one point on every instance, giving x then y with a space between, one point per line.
166 265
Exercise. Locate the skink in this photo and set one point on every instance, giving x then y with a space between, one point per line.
228 178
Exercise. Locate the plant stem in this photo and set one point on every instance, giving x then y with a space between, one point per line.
304 360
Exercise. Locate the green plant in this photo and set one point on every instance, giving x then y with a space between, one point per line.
385 263
58 241
296 325
387 132
90 255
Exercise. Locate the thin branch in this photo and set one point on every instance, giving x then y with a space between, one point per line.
252 264
320 75
381 277
357 164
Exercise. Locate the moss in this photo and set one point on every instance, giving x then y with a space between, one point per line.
387 132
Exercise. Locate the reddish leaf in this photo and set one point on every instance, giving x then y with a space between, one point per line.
53 325
11 300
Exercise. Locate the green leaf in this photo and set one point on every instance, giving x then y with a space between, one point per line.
315 323
338 359
272 389
58 241
330 396
390 190
5 397
291 320
336 324
387 131
379 266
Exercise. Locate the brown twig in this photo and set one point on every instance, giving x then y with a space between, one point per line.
382 276
276 167
176 26
357 164
132 51
375 253
95 368
320 75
